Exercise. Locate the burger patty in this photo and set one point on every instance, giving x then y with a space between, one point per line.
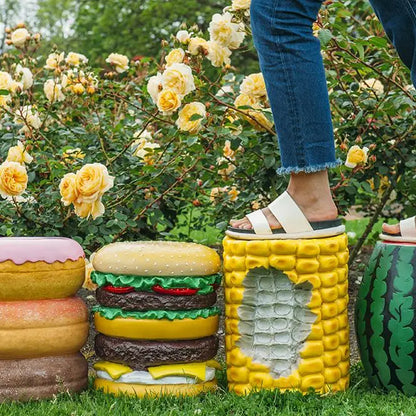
142 354
144 301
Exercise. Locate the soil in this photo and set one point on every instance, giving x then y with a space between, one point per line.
355 276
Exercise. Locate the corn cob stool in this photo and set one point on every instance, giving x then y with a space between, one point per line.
286 320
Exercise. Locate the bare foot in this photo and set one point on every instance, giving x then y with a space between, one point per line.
311 193
392 228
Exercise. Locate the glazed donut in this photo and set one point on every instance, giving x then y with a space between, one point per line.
40 268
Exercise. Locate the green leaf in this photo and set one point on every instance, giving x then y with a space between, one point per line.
325 36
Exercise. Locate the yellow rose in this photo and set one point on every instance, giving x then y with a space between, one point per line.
71 154
86 209
121 62
168 102
263 122
92 180
227 151
144 148
355 156
154 86
218 55
233 193
184 121
197 44
78 88
75 59
228 170
68 189
6 81
254 85
53 61
13 179
216 193
183 36
175 56
178 78
4 100
19 154
225 32
25 75
19 37
373 84
53 91
240 4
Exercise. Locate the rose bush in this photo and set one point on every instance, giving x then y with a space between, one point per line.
129 150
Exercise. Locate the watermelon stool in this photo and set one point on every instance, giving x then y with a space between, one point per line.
286 321
386 317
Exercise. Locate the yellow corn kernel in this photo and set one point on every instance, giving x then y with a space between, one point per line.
282 262
241 389
342 304
329 279
283 246
343 320
229 343
342 258
327 263
345 352
236 357
234 279
308 248
332 358
312 349
344 383
311 366
343 242
332 374
313 279
331 342
314 381
316 333
316 300
329 294
342 274
318 313
258 248
256 261
343 336
234 263
257 367
231 326
291 382
344 367
234 295
329 310
307 265
238 374
328 246
330 325
236 247
261 380
342 289
231 311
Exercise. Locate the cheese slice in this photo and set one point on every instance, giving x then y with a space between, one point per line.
113 369
196 370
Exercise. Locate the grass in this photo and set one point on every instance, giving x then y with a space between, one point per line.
358 400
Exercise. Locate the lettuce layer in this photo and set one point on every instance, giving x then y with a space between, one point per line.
145 283
111 313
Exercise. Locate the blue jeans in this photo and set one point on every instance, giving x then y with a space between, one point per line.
292 65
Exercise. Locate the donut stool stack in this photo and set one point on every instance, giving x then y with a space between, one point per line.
286 314
42 324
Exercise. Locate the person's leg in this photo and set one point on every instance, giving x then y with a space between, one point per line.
398 18
292 65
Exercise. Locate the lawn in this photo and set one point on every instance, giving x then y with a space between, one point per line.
359 400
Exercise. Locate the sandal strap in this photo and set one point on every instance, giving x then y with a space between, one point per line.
289 215
408 227
259 222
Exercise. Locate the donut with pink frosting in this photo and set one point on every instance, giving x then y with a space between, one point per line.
40 268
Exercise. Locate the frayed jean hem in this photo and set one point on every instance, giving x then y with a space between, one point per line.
308 169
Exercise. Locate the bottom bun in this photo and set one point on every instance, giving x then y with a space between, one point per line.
41 378
148 390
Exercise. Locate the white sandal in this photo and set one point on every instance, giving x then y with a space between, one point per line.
407 232
293 221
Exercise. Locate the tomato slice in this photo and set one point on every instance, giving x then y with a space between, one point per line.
182 291
115 289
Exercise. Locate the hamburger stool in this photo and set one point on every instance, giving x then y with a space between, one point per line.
286 320
156 319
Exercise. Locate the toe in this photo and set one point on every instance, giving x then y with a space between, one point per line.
391 229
